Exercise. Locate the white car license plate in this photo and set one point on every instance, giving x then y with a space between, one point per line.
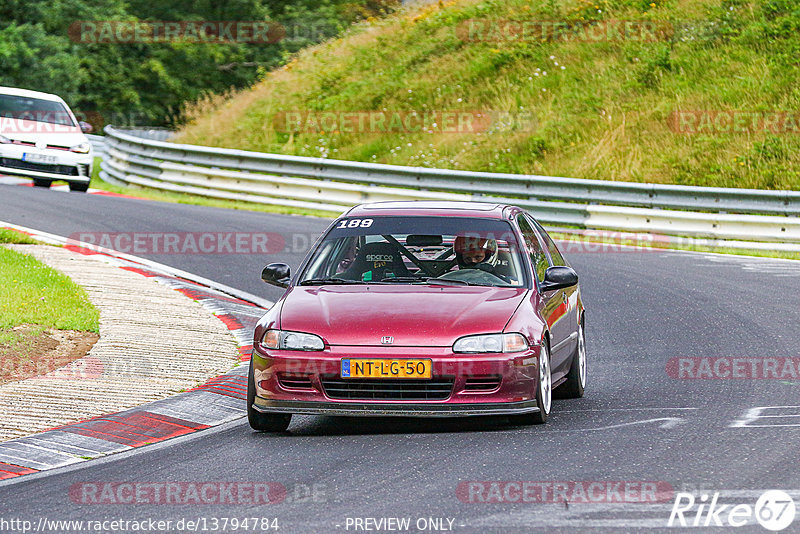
38 158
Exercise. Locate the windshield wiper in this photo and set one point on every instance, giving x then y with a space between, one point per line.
445 281
452 281
405 279
325 281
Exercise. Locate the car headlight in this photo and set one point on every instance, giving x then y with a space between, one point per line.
82 148
491 343
285 340
5 140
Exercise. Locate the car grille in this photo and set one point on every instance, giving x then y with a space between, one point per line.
67 170
371 389
485 383
295 381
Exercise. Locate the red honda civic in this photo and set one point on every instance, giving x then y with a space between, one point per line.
421 309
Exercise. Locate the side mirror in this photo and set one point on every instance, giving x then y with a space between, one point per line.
558 277
276 274
85 127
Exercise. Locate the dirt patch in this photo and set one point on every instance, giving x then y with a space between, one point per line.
30 350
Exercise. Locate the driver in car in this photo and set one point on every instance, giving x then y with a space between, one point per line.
479 253
476 253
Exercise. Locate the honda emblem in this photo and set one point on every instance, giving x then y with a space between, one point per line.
387 340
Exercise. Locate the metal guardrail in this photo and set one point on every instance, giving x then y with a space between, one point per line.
99 142
98 145
333 185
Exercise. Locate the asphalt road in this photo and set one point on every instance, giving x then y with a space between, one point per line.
635 424
285 238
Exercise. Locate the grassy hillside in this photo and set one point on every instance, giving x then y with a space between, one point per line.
598 107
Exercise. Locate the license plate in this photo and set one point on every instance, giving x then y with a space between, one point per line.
38 158
385 368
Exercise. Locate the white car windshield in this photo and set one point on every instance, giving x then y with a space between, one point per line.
34 109
417 250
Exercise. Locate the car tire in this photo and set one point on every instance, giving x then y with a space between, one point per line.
39 182
263 422
544 391
80 187
575 384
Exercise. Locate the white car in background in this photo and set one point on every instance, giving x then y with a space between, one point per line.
40 138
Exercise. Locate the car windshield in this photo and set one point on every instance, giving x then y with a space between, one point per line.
34 109
448 251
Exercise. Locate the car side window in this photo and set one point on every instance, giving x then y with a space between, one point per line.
555 255
538 256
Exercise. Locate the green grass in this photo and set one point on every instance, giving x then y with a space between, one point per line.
7 235
605 115
33 293
740 252
184 198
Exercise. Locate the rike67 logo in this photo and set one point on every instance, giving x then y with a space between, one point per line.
774 510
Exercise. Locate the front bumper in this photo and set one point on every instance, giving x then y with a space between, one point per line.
514 393
69 166
393 410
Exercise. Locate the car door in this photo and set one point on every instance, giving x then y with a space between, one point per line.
569 297
552 307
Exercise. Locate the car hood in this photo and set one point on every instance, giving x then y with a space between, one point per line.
420 316
41 132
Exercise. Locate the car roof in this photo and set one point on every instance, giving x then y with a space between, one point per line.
15 91
430 208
